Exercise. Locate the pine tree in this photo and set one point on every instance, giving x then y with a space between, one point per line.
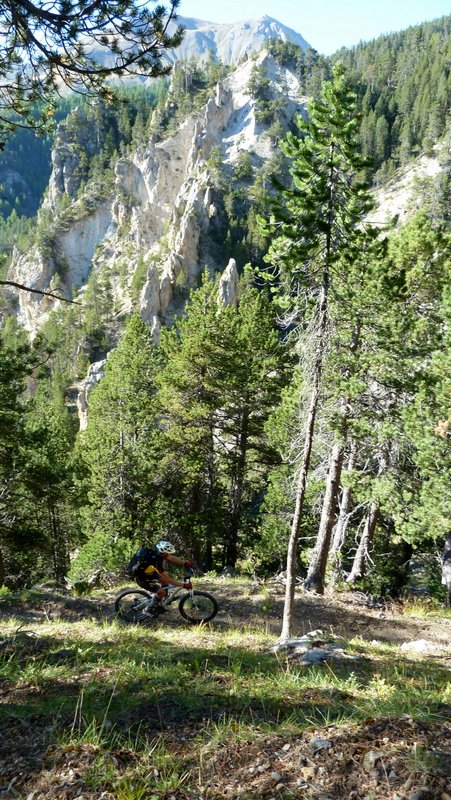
49 472
119 451
224 369
191 501
257 371
14 368
319 228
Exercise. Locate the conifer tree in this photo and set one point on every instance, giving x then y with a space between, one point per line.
191 499
49 473
257 371
319 231
224 370
14 368
118 451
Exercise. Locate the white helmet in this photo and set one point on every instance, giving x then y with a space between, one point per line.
165 547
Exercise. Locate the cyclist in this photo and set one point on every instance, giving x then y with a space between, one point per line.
161 552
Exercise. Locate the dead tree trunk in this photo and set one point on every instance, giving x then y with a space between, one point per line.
339 534
287 622
446 569
314 581
361 557
2 570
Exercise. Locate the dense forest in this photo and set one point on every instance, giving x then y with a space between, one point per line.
311 417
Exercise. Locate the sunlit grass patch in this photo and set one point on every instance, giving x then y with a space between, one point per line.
141 711
425 607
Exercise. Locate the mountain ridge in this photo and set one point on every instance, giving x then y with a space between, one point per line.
231 42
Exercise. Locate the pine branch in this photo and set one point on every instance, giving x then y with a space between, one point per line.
38 291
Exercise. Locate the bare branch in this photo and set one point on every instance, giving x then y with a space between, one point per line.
38 291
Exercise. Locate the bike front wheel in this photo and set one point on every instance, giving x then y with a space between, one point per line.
130 605
198 607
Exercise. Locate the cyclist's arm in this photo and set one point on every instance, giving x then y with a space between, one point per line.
166 579
175 560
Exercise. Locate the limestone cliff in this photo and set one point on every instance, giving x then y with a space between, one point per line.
159 213
155 227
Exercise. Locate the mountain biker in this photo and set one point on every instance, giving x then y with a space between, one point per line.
163 551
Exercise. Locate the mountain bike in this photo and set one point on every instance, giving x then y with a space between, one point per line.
138 605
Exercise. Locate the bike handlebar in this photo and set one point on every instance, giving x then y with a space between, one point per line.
190 571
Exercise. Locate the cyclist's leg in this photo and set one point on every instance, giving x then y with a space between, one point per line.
163 578
150 585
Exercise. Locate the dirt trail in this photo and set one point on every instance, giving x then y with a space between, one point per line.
388 758
245 603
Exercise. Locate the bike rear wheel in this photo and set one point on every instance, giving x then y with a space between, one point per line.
198 607
130 604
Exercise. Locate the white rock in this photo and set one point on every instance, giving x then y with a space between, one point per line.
371 758
422 647
228 285
95 373
318 743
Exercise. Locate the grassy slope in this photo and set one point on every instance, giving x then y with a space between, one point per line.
95 709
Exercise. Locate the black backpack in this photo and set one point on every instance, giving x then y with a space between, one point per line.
143 558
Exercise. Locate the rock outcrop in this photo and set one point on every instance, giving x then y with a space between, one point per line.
228 285
95 373
161 209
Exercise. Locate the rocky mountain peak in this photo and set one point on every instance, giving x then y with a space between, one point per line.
231 42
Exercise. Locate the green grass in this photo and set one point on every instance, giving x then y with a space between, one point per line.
425 607
121 698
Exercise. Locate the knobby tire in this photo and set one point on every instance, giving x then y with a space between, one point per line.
198 607
124 605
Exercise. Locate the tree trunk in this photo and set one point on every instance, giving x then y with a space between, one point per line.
60 554
446 569
207 561
361 557
287 622
2 570
339 534
211 531
236 494
314 581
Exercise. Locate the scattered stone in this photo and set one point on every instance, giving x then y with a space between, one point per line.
371 758
308 772
276 776
286 747
314 647
423 647
318 744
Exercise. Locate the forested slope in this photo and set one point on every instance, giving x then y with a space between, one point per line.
198 436
403 84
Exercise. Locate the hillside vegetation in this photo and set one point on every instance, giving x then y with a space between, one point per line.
308 414
92 708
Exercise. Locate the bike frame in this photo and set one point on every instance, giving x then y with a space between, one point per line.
173 592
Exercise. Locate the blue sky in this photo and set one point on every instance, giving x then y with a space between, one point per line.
325 24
